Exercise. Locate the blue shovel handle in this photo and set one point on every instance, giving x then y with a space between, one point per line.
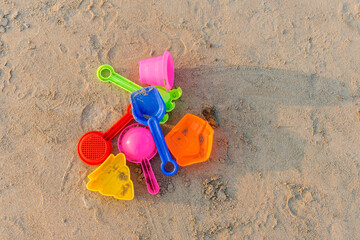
161 147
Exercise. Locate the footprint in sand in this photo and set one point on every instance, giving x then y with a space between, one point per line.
350 14
298 201
102 10
93 116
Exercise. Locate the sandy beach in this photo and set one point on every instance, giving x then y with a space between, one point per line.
283 78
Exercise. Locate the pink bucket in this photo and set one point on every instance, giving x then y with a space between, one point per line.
158 71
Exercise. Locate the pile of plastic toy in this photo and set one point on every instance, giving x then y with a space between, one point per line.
189 142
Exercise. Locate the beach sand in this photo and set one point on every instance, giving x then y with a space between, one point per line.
282 78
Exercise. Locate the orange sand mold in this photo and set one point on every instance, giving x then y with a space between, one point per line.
190 141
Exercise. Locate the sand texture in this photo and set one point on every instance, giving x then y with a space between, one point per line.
280 81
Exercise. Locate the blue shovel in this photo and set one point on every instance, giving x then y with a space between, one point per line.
148 109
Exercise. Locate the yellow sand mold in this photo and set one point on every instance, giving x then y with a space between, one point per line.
112 178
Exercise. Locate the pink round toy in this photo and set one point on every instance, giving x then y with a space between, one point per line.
158 71
138 145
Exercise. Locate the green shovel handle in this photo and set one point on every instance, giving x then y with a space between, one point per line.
107 74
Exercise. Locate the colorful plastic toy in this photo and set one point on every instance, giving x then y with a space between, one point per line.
148 108
94 147
157 71
137 143
112 178
190 141
107 74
